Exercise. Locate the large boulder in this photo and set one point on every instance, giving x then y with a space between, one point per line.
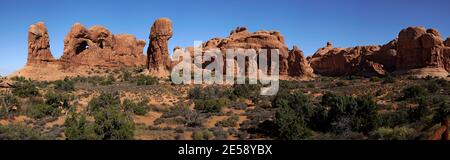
38 45
158 59
97 46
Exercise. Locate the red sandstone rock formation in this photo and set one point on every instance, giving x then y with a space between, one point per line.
38 45
97 46
420 48
158 53
331 61
415 48
241 38
298 65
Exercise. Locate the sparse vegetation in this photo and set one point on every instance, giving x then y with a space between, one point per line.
38 111
229 122
326 108
146 80
414 92
202 135
65 85
210 105
21 132
24 88
135 108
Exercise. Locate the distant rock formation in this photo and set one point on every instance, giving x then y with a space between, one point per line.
298 65
97 46
158 59
83 49
241 38
416 51
38 45
420 48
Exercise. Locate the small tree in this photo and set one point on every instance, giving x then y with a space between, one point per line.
111 124
293 113
105 100
414 92
65 85
25 88
78 128
135 108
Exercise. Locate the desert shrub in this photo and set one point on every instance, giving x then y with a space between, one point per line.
420 112
9 105
245 90
397 133
57 100
229 122
18 79
210 105
442 113
414 92
105 100
112 124
292 115
146 80
366 118
195 93
362 111
428 77
21 132
207 93
65 85
202 135
3 112
294 84
340 84
126 75
290 126
220 134
395 118
190 118
78 128
176 111
388 79
25 88
375 79
38 111
135 108
310 85
108 80
432 86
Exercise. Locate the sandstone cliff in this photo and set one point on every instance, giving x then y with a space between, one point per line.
416 50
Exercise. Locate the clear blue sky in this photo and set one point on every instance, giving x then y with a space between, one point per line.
308 24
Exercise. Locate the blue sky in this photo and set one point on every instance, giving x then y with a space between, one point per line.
308 24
